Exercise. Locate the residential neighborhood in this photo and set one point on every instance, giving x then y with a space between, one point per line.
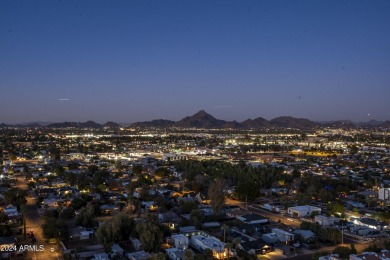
190 193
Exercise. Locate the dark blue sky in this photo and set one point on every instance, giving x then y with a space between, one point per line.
128 61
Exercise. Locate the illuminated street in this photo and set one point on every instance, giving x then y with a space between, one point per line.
34 223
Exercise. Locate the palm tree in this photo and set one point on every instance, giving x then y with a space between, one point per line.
46 207
236 242
60 208
23 209
224 227
228 246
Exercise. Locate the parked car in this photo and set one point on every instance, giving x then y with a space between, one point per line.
30 234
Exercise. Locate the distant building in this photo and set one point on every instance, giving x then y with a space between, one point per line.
325 221
11 211
371 223
174 157
137 245
175 253
283 236
307 235
355 204
140 255
101 256
277 207
303 211
117 250
202 242
86 234
330 257
256 247
252 219
180 241
278 236
384 194
384 254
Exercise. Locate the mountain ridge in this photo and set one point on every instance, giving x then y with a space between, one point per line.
202 119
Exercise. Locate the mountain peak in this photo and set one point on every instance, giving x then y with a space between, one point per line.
201 113
111 124
201 120
292 122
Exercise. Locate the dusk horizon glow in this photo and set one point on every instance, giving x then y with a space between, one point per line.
129 61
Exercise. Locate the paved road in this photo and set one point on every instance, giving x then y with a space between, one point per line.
34 222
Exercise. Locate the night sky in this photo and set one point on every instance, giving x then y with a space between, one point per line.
128 61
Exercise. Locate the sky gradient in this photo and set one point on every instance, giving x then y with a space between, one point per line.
128 61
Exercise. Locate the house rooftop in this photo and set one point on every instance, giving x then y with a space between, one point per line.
252 217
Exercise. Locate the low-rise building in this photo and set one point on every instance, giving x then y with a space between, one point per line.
307 235
174 157
383 255
253 219
137 245
276 207
371 223
256 247
203 242
384 194
11 211
101 256
175 253
325 221
278 236
283 236
303 211
180 241
140 255
117 250
330 257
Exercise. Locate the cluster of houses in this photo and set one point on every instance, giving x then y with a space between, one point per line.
250 232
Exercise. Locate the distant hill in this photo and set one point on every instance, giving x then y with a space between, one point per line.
370 123
385 124
339 124
158 123
32 125
256 123
111 124
36 124
200 120
292 122
232 124
26 125
88 124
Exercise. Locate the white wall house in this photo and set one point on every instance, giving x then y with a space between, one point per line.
325 221
283 236
180 241
201 243
303 211
175 254
384 194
